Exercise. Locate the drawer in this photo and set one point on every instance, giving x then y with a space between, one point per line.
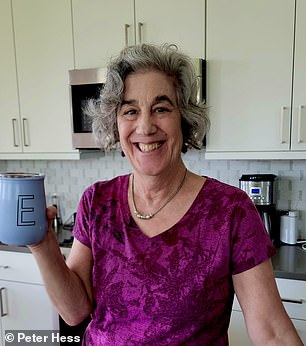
293 294
20 267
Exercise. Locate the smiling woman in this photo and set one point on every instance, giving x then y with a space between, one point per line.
158 253
149 123
166 60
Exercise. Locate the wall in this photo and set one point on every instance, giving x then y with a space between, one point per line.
69 178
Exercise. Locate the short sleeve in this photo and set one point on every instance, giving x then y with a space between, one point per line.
81 229
250 242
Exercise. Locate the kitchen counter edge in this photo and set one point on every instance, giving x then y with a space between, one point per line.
289 262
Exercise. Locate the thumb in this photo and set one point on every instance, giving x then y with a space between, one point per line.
51 214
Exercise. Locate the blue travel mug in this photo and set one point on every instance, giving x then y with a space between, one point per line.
23 219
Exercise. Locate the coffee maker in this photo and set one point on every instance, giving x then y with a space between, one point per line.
261 188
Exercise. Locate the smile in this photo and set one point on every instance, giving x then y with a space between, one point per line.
148 147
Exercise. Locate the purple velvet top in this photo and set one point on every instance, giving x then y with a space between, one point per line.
175 288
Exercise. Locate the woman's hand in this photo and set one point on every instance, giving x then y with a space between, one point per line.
51 212
69 283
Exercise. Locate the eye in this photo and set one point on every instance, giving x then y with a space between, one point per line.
128 112
161 109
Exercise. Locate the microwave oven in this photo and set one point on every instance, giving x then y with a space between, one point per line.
86 84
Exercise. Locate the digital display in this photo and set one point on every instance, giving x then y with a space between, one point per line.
255 191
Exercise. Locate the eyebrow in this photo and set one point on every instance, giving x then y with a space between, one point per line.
163 98
157 99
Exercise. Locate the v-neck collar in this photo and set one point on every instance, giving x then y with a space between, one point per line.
131 224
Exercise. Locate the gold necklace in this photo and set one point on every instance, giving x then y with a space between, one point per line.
150 215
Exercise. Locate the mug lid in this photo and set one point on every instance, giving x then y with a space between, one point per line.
20 175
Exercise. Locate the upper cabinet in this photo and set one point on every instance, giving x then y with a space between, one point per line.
9 106
299 78
37 52
179 22
256 94
102 28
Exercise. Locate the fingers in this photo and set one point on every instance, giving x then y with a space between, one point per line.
51 212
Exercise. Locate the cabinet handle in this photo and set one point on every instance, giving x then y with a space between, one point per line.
4 267
2 313
140 25
299 125
293 301
283 109
126 34
25 129
15 132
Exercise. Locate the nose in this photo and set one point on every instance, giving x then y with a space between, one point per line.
146 124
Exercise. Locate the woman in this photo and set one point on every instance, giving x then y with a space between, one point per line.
159 253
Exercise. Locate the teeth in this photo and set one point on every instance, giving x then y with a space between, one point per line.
148 147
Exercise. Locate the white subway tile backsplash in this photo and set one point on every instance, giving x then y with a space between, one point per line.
70 178
260 166
3 167
279 165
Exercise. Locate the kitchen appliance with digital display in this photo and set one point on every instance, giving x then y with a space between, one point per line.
261 188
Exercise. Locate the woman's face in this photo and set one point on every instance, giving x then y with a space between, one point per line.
149 123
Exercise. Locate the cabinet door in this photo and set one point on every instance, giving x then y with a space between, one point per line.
293 294
44 52
299 86
101 29
9 112
237 331
19 266
249 74
178 22
27 307
300 327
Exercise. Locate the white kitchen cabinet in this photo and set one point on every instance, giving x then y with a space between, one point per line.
34 99
293 294
102 28
23 312
24 301
179 22
299 85
250 58
9 108
237 334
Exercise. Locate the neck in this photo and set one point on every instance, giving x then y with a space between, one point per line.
154 202
157 187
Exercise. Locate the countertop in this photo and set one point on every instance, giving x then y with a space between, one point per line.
64 239
289 262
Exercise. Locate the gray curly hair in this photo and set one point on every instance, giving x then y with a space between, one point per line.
146 57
